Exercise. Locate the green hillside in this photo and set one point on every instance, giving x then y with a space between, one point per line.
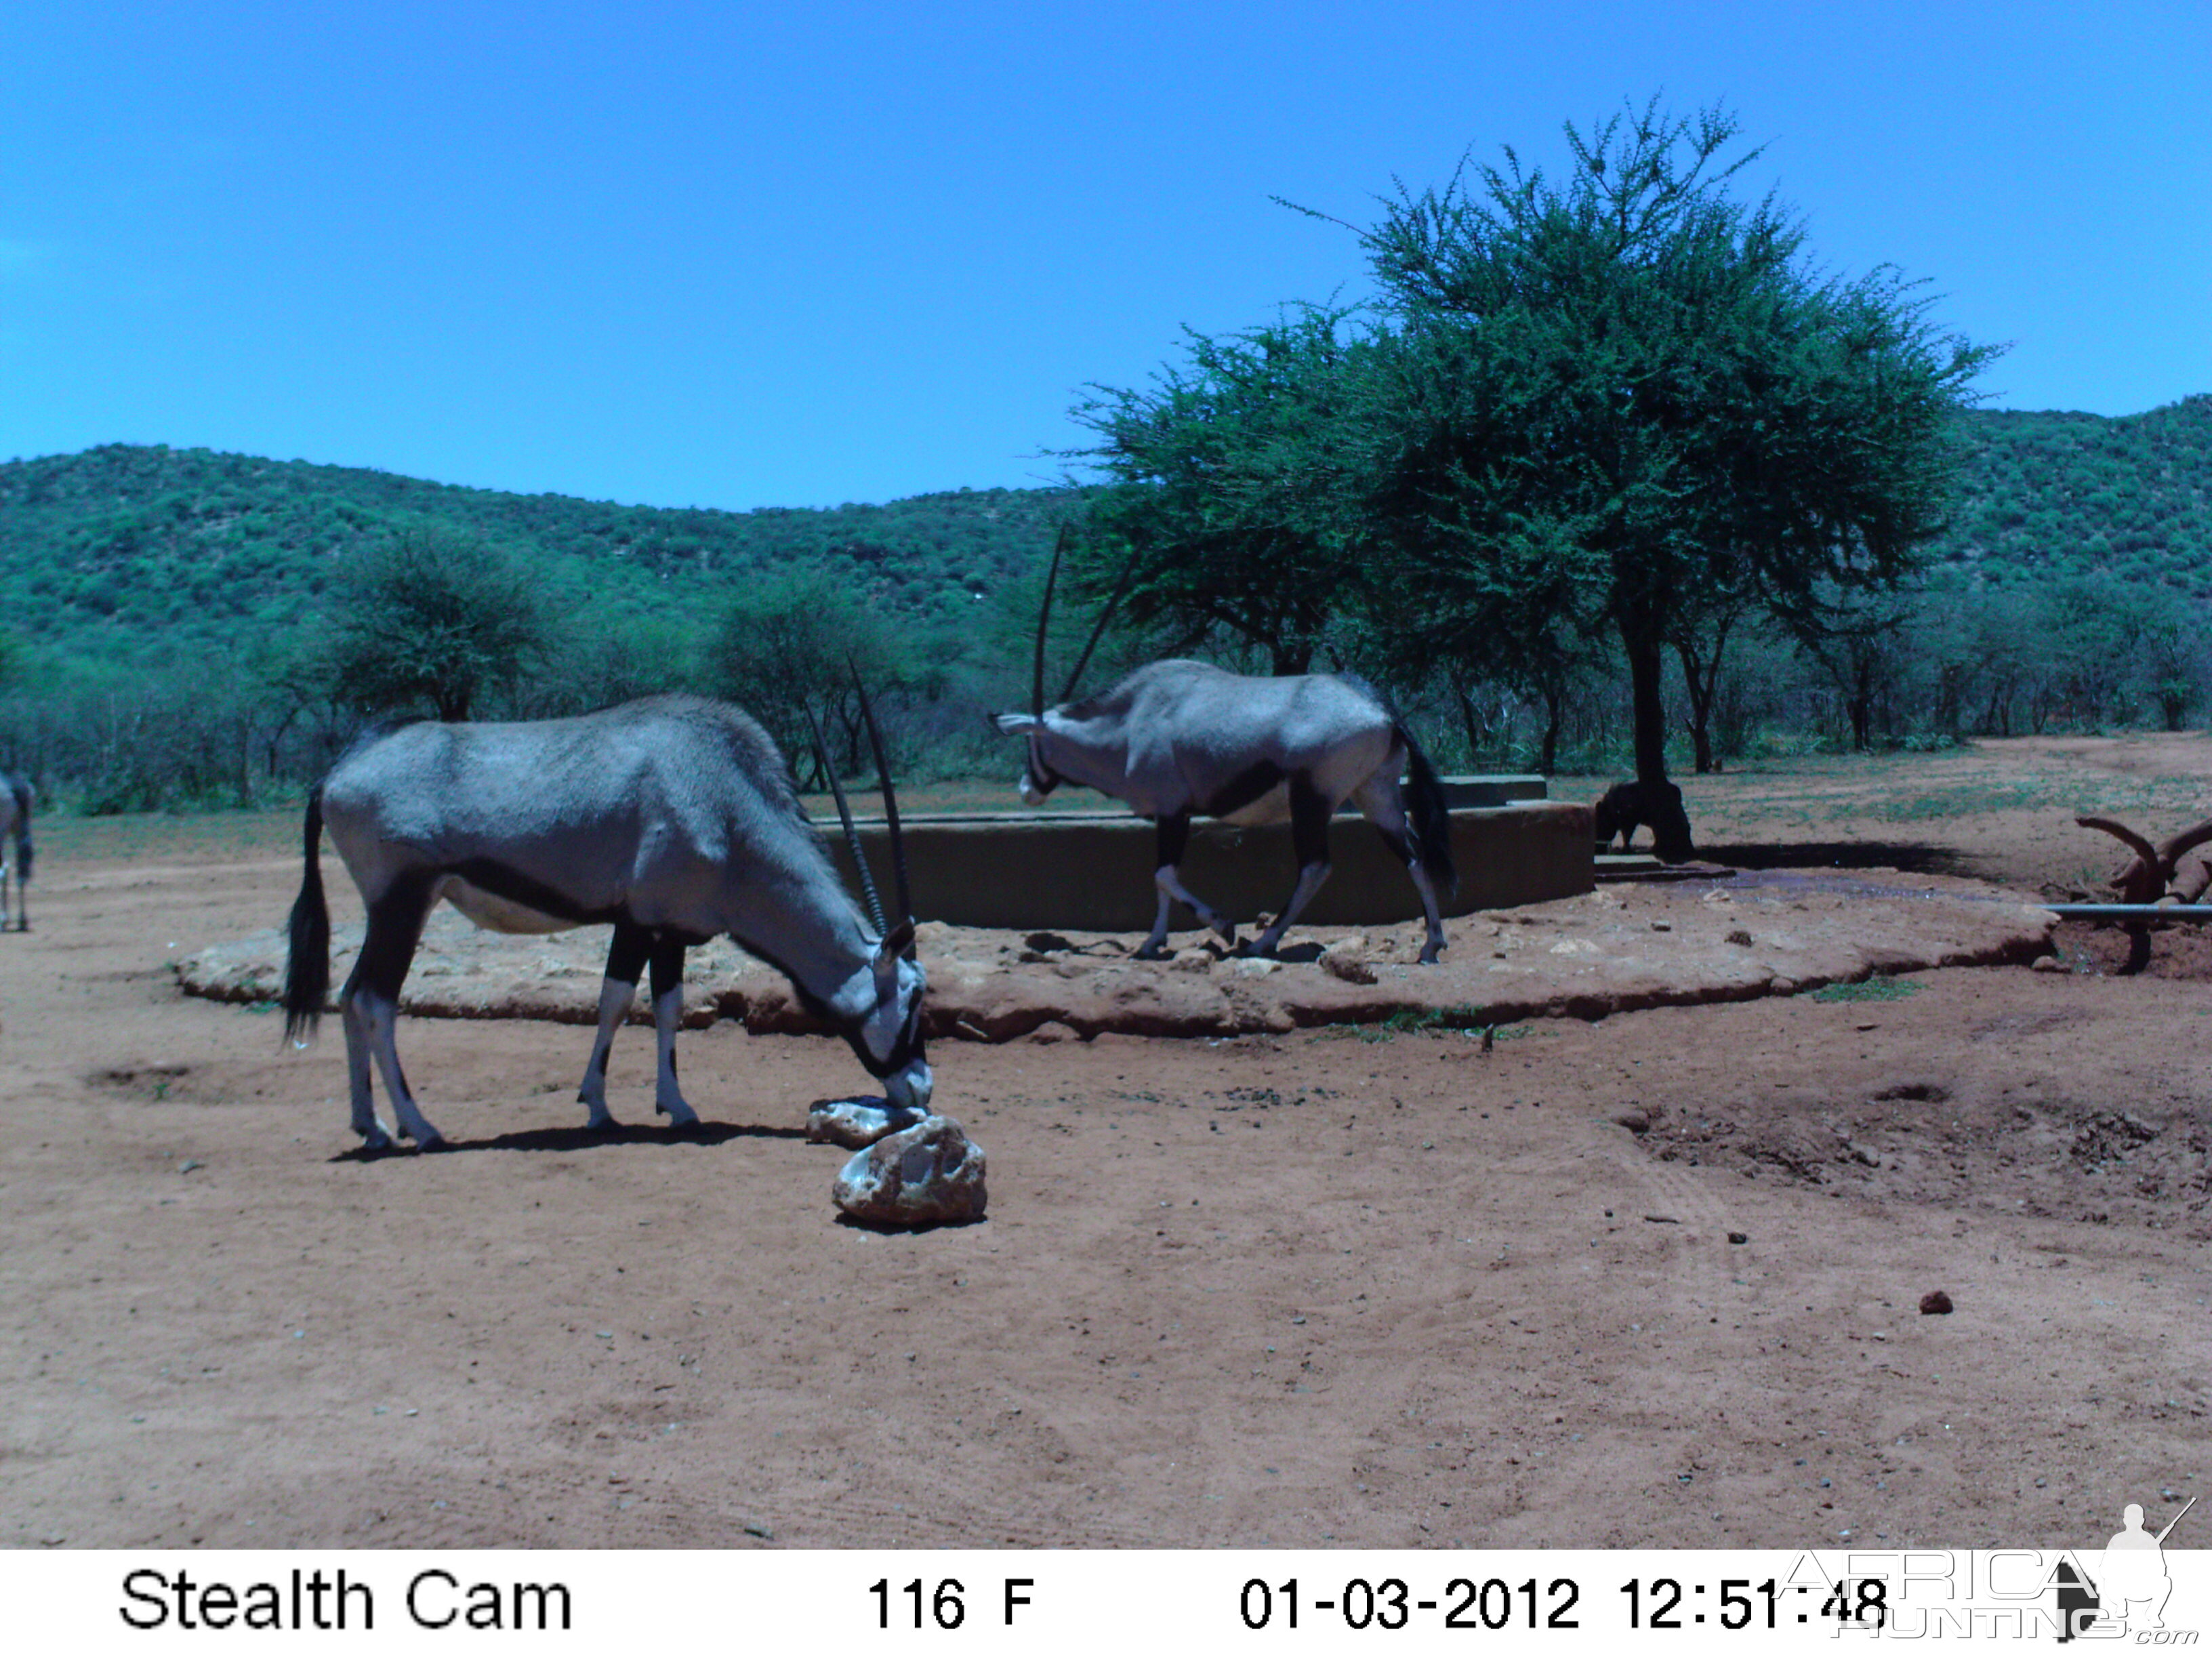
2048 494
125 550
168 611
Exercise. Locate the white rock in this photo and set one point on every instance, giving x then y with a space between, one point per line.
857 1123
929 1173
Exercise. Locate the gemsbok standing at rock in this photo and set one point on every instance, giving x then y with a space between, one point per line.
673 818
1179 740
15 827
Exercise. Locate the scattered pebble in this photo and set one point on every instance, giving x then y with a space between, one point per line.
1936 1302
1739 936
189 1166
1738 1238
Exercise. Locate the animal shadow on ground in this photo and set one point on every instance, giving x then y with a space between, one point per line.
1915 857
703 1133
859 1225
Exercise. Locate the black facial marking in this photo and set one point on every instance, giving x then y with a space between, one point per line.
1042 779
1241 791
909 1047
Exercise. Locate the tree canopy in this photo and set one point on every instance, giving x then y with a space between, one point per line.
1624 400
1628 396
428 620
1235 514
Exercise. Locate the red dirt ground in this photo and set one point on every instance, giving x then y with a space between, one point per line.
1301 1289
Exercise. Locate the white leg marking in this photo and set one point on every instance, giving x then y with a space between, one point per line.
380 1015
615 998
373 1135
667 1099
1155 943
1169 879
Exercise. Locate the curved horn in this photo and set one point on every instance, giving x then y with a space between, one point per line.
2142 881
2143 849
1044 623
890 804
1098 631
845 818
2170 851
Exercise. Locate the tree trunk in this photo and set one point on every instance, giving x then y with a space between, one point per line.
1861 705
1470 722
1555 706
1701 738
1700 721
1702 677
1662 802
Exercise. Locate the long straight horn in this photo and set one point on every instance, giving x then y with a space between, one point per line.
1044 625
1098 630
890 805
845 818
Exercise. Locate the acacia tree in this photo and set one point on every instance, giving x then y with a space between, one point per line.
1648 373
1230 507
427 619
792 642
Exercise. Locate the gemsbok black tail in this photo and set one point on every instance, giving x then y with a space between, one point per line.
307 969
1431 816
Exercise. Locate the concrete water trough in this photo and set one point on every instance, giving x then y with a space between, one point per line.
1094 869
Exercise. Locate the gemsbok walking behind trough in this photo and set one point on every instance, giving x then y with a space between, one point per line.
1178 740
672 817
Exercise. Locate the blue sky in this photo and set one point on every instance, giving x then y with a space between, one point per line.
735 255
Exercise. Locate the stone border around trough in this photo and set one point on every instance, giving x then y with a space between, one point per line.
1612 950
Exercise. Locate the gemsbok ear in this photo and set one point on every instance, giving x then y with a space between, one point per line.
897 943
1013 725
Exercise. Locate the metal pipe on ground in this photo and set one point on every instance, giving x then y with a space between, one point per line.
2131 912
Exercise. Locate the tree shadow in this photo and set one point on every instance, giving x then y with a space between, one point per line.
1914 857
580 1138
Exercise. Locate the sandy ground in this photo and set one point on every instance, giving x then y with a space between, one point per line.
1322 1286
